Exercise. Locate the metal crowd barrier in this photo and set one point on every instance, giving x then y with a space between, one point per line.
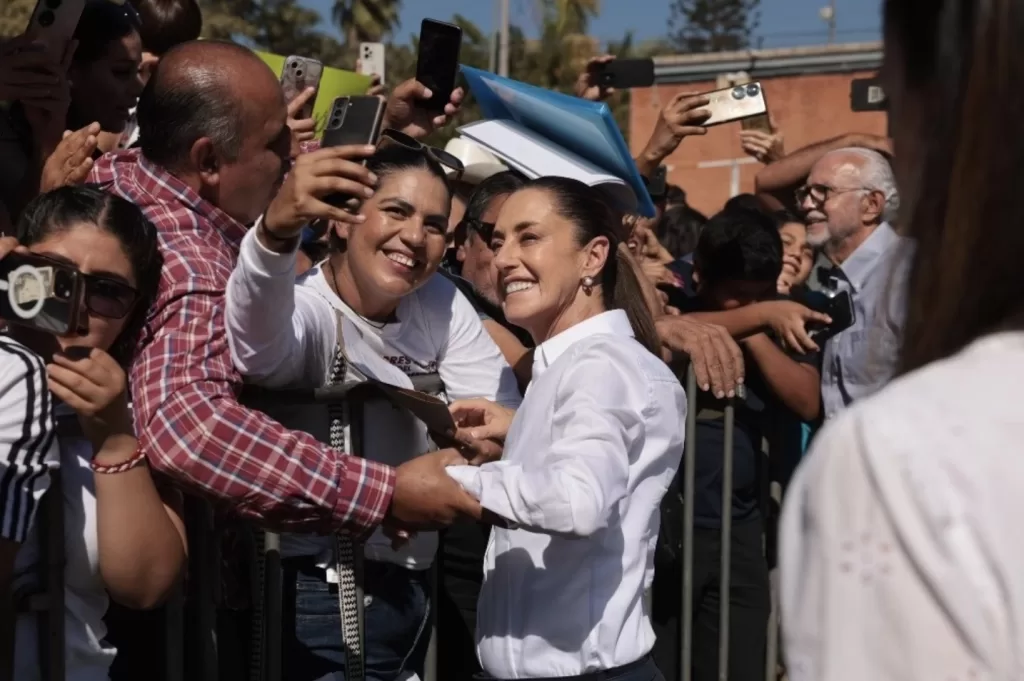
306 411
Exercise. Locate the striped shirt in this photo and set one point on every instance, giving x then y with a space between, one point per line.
28 438
184 386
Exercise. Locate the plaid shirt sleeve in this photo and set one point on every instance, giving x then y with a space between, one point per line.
194 430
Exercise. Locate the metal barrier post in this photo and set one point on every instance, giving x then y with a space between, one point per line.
723 589
51 619
430 665
174 634
273 608
208 585
772 658
689 473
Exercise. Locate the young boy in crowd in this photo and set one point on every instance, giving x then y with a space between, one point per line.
736 265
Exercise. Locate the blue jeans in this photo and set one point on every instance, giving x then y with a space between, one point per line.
396 614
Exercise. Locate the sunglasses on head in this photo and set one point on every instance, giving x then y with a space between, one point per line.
439 155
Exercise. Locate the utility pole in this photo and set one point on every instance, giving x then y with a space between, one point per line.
492 43
828 14
503 40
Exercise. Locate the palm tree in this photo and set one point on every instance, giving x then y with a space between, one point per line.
366 20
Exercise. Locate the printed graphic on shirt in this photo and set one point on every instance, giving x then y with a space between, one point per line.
410 366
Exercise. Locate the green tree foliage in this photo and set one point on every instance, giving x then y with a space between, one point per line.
713 25
366 21
14 16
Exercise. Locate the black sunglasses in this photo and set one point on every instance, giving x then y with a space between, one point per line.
107 297
440 155
103 296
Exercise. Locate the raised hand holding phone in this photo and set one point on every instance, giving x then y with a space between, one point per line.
89 381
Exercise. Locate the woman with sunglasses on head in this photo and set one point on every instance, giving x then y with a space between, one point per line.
587 457
123 536
397 319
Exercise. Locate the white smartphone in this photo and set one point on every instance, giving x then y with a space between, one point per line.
371 60
735 104
53 23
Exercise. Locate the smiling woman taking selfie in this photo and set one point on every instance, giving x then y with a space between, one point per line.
376 308
123 536
587 457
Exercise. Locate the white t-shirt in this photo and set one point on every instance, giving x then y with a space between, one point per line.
283 333
87 656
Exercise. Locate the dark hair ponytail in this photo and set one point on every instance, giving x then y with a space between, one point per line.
588 209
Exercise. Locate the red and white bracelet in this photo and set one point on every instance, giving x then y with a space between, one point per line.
136 460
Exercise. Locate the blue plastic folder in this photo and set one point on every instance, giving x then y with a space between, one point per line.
584 128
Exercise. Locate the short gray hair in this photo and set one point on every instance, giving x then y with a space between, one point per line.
876 174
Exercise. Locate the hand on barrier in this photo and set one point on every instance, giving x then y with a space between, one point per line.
716 359
425 497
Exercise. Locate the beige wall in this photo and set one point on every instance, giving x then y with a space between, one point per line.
806 108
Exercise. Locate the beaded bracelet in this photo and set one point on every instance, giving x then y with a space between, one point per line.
137 459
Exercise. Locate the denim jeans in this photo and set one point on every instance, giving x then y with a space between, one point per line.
397 612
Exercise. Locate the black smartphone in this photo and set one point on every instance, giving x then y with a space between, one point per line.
657 185
623 74
40 293
837 305
352 120
866 94
437 65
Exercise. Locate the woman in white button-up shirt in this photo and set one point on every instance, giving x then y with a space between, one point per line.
587 456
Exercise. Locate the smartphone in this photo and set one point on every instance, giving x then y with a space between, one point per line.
735 103
657 185
352 120
371 59
623 74
866 94
437 65
53 23
837 305
757 123
298 74
40 293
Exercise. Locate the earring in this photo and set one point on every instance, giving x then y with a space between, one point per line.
588 283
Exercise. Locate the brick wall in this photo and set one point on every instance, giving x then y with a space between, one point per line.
806 108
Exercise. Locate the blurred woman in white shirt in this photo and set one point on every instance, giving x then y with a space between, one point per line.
901 557
587 456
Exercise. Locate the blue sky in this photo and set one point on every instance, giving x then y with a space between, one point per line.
783 22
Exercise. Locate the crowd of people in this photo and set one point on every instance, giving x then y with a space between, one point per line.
172 175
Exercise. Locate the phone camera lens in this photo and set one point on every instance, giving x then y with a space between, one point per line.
46 18
298 72
753 90
739 93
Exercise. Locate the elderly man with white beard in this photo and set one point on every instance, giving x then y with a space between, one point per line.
850 202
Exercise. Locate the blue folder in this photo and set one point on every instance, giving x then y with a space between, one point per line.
585 128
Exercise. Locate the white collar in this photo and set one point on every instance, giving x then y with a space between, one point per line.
614 322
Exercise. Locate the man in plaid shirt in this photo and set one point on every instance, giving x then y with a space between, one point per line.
213 159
